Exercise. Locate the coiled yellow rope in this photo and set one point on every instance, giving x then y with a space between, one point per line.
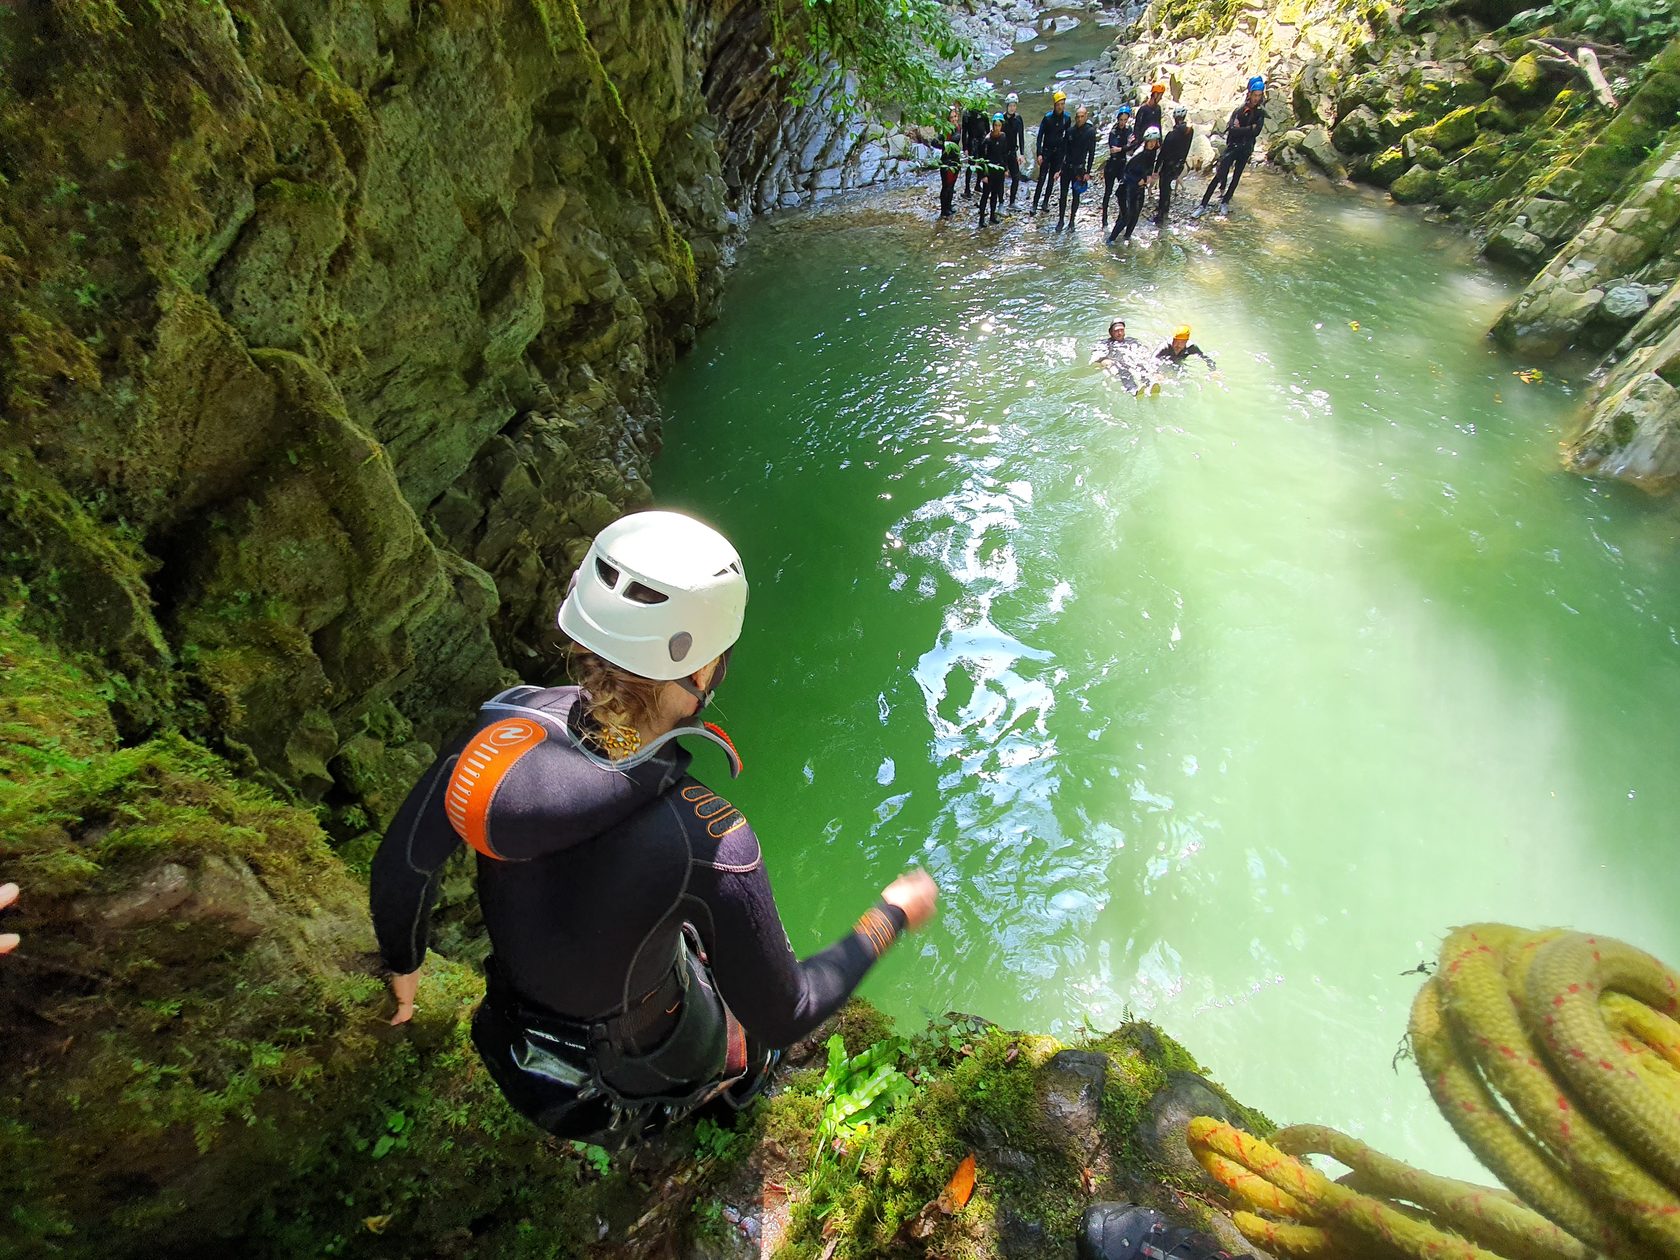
1556 1057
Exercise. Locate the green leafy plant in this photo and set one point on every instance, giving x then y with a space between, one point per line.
713 1141
894 54
1642 25
858 1090
595 1156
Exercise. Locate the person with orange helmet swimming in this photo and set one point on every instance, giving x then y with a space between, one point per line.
1181 348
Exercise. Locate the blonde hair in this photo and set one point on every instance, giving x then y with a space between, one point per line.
614 699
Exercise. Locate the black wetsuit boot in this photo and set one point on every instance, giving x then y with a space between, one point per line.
1163 199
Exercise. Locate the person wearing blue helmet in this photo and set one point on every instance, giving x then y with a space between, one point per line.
1241 132
996 152
1119 140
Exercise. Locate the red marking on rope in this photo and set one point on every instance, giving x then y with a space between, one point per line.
1607 1065
1574 988
1564 1131
1563 1103
1507 1052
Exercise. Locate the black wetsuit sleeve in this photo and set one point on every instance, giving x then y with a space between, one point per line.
1195 349
777 997
402 888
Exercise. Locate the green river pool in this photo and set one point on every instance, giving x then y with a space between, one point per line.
1217 706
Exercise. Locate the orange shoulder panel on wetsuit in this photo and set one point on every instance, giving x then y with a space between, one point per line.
483 764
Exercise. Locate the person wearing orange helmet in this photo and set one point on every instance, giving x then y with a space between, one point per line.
1181 348
1149 113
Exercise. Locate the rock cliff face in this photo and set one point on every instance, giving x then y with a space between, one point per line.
1444 106
329 332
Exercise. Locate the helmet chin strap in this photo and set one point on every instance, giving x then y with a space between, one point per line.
705 696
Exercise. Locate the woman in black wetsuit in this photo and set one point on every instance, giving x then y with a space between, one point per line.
640 967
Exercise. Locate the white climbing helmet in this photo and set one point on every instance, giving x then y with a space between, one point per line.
1151 133
659 594
1012 99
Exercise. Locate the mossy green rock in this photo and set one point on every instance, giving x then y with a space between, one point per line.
1523 83
1454 131
1417 184
1388 166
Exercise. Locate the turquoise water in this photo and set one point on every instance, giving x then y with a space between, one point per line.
1218 706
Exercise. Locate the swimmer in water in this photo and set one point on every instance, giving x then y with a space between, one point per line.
1181 348
1125 358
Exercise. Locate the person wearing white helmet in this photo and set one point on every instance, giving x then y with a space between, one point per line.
639 966
1015 127
1139 170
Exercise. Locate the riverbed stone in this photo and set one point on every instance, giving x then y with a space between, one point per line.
1315 143
1388 166
1634 435
1625 302
1070 1097
1183 1097
1359 131
1417 184
1453 131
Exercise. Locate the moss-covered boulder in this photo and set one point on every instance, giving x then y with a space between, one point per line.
1388 166
1416 185
1359 132
1453 131
1523 83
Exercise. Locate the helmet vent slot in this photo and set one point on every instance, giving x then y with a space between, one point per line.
606 572
644 594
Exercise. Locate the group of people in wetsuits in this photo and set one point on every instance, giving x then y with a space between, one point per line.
1141 151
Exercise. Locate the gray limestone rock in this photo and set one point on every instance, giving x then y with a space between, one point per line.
1625 302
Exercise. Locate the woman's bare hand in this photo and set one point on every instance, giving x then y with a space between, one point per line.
916 894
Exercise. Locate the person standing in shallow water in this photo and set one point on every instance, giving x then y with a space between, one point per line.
949 144
1175 152
975 129
1077 160
995 152
1149 113
1048 147
640 967
1242 130
1119 140
1015 127
1139 170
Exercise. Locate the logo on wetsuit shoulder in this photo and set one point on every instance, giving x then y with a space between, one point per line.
482 766
719 815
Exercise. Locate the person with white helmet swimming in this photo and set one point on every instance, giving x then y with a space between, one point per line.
1175 152
1048 147
1135 177
1015 127
1242 130
639 967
